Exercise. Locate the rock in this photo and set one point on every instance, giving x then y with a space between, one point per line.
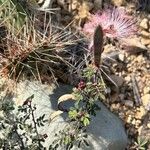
114 97
128 103
118 2
127 79
83 10
144 23
133 121
105 132
74 4
138 123
129 119
146 90
139 59
114 107
146 101
148 125
87 5
141 113
145 41
133 45
110 49
108 90
117 80
121 57
145 33
98 4
61 2
121 96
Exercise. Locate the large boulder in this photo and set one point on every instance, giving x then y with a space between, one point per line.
106 131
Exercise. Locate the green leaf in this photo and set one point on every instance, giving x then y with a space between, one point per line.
73 114
142 141
67 140
102 96
86 121
78 97
87 115
142 148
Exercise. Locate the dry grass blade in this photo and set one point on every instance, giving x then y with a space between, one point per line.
136 92
39 46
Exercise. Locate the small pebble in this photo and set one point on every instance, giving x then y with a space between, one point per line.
118 2
145 41
146 100
121 96
117 79
98 4
139 114
133 121
129 119
138 122
121 57
146 90
129 103
121 115
74 4
145 33
148 125
128 78
144 23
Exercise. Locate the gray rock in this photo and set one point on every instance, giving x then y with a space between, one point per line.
106 131
98 4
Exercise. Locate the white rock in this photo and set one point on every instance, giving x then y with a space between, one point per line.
118 2
121 57
105 132
146 101
146 90
145 33
145 41
148 125
127 78
144 23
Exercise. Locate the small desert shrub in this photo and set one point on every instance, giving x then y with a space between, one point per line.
17 132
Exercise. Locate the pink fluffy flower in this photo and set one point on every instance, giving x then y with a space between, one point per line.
115 23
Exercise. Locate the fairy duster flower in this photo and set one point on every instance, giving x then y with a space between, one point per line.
114 21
